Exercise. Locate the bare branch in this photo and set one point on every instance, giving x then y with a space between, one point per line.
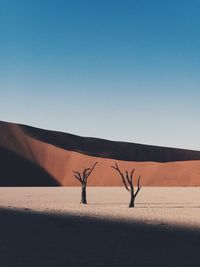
86 170
131 176
138 186
94 166
85 173
122 176
117 169
138 183
127 178
90 170
78 176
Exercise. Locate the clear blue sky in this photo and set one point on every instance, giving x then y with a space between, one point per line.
121 70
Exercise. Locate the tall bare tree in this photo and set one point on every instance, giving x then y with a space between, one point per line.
82 178
127 179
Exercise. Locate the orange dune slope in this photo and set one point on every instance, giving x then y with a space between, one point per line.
34 157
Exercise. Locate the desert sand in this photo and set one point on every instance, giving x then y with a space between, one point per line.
48 227
36 157
153 205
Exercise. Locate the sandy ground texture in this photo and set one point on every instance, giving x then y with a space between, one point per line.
48 227
153 205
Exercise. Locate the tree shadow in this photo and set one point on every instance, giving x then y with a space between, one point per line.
38 240
18 171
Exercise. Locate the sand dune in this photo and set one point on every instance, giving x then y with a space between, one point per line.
31 156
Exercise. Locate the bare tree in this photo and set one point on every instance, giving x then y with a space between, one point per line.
127 179
82 177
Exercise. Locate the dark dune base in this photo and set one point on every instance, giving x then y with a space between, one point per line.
18 171
34 239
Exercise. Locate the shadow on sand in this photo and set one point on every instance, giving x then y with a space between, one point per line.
34 239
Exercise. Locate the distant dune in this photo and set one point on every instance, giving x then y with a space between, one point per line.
34 157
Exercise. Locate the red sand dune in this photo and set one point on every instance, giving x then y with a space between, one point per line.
34 157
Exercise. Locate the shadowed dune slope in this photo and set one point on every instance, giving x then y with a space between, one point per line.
17 171
54 155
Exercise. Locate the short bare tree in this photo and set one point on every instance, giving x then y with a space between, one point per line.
82 178
127 179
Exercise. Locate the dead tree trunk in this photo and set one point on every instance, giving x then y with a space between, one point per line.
82 178
83 194
127 180
132 201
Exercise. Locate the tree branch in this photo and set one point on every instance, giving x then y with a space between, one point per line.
127 178
138 186
90 170
77 175
122 176
131 176
93 167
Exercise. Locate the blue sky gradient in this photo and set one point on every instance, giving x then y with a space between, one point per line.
121 70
